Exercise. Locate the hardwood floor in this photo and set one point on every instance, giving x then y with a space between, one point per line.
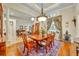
66 49
2 49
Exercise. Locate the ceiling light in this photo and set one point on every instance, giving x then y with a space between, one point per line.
32 19
42 17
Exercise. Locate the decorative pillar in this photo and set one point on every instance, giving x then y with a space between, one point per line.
10 30
7 26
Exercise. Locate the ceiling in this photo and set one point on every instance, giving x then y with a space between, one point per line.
29 10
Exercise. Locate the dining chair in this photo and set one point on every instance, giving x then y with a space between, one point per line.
77 47
44 44
47 43
29 44
77 50
52 38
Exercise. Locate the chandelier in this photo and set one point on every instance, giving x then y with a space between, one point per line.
42 16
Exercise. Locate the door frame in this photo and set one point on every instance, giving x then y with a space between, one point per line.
1 19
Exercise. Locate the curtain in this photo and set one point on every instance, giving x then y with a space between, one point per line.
49 22
58 24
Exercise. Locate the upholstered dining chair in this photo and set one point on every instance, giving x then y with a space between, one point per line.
50 41
28 43
77 51
44 43
47 43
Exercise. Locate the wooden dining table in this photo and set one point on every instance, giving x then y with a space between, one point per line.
38 38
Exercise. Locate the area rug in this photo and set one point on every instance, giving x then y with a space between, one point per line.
52 52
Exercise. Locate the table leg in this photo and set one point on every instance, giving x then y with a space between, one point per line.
77 51
37 47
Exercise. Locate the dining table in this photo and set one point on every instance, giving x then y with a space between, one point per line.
38 38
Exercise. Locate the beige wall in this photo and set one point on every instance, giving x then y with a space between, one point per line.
67 16
23 22
77 21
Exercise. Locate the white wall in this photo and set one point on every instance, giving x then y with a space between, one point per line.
77 21
11 33
67 16
23 22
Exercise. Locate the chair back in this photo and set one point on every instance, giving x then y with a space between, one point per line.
51 38
24 37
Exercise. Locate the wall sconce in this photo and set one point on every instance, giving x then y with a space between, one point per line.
74 21
11 23
67 24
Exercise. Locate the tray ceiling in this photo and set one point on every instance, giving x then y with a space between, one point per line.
28 10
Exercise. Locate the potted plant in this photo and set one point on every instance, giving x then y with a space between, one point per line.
43 32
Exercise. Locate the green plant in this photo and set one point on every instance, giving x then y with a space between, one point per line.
43 31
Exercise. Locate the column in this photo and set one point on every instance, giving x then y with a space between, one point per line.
10 30
7 26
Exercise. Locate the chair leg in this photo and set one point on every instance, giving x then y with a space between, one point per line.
77 51
28 51
47 49
24 49
36 50
51 45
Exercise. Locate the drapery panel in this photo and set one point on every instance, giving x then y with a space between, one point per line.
49 22
58 24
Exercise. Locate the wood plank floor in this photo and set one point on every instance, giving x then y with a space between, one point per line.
2 47
66 49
